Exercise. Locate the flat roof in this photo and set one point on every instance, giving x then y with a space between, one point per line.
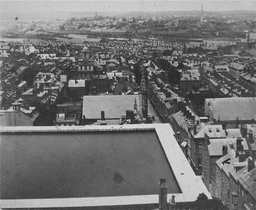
93 166
114 106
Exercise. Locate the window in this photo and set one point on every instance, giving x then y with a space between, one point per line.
234 201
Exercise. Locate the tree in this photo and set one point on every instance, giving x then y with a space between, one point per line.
203 203
137 73
29 76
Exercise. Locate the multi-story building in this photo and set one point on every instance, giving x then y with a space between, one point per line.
236 70
189 81
163 99
119 158
214 149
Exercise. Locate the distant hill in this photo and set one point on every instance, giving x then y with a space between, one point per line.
47 15
35 16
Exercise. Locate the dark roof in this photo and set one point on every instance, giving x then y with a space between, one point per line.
82 164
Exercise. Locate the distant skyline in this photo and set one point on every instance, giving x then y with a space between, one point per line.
22 6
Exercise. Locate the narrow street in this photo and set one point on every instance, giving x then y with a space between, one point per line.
152 112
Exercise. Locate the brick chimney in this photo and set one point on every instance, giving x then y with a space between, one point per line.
243 130
163 195
250 137
251 164
16 106
241 156
239 145
102 115
224 150
103 119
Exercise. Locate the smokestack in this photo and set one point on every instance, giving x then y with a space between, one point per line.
247 38
202 14
163 195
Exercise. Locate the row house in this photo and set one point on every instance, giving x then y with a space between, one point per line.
68 114
236 69
199 133
45 56
214 149
163 99
234 182
42 77
84 70
233 175
189 80
182 122
250 79
100 83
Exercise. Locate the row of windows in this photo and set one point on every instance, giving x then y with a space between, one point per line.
83 68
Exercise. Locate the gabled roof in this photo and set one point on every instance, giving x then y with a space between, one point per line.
227 109
248 181
228 167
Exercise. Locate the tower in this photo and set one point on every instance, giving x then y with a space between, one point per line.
202 14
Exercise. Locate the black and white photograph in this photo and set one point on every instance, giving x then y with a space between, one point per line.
128 105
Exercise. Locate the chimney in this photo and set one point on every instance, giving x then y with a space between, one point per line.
239 145
250 137
224 126
251 164
16 106
103 119
168 94
163 195
195 129
178 136
252 71
242 156
172 202
103 115
237 122
242 92
224 150
34 91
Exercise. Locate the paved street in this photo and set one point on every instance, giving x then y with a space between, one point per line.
152 112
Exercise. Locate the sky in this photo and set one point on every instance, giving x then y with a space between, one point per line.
11 6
